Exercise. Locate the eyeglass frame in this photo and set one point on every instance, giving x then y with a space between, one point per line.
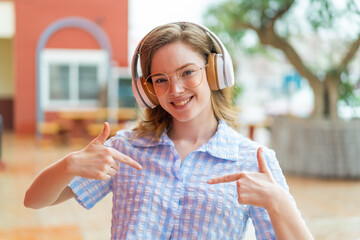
177 79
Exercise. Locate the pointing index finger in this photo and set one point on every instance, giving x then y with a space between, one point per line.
225 179
125 159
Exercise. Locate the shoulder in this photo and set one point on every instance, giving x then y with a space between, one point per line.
121 139
236 141
229 144
249 150
246 148
130 139
244 151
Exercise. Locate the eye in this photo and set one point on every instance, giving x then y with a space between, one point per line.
159 80
187 72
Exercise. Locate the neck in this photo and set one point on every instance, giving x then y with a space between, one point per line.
194 131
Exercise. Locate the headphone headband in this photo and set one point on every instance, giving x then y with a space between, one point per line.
226 56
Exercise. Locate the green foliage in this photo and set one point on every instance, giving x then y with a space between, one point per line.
229 16
237 90
349 92
323 13
231 20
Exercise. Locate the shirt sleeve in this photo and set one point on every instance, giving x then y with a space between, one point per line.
259 216
88 191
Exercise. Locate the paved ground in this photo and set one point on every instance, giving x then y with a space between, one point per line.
330 207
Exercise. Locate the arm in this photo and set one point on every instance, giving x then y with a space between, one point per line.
94 162
260 189
49 185
285 219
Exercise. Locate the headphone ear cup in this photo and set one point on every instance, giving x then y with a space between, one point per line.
211 72
220 70
142 95
153 99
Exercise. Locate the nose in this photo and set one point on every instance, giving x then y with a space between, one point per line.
175 86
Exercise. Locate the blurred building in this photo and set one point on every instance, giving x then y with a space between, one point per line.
61 55
7 26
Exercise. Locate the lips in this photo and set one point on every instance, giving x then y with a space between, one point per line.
182 102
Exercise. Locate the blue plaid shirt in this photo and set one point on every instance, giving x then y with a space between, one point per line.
167 199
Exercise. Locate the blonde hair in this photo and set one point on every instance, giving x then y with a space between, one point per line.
156 120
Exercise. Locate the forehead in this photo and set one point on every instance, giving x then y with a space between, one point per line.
174 55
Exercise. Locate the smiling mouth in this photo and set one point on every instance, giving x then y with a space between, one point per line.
182 103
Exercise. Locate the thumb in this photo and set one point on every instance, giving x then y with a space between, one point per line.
263 168
101 138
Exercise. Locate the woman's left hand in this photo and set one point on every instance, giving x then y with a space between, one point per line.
255 188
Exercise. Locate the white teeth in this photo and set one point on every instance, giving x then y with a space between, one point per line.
182 102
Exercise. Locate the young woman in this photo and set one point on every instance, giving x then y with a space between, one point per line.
184 172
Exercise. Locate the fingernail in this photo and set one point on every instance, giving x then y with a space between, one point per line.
210 181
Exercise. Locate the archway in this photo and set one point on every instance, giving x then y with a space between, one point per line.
69 22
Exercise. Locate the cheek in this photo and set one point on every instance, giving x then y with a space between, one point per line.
162 101
204 90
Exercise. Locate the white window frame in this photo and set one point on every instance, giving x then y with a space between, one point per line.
7 19
73 58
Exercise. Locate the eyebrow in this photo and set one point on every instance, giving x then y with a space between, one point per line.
177 69
183 66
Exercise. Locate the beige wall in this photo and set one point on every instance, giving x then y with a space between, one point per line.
6 69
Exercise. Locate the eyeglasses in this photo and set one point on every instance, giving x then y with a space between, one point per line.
189 76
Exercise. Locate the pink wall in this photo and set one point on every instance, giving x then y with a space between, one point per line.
33 17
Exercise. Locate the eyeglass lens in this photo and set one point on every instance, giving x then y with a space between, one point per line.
189 76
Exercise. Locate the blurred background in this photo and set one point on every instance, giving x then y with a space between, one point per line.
65 69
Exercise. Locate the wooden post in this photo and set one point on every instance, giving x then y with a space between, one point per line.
252 131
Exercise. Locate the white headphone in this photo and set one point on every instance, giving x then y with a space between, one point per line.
220 71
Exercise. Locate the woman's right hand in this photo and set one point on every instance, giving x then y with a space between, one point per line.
96 161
